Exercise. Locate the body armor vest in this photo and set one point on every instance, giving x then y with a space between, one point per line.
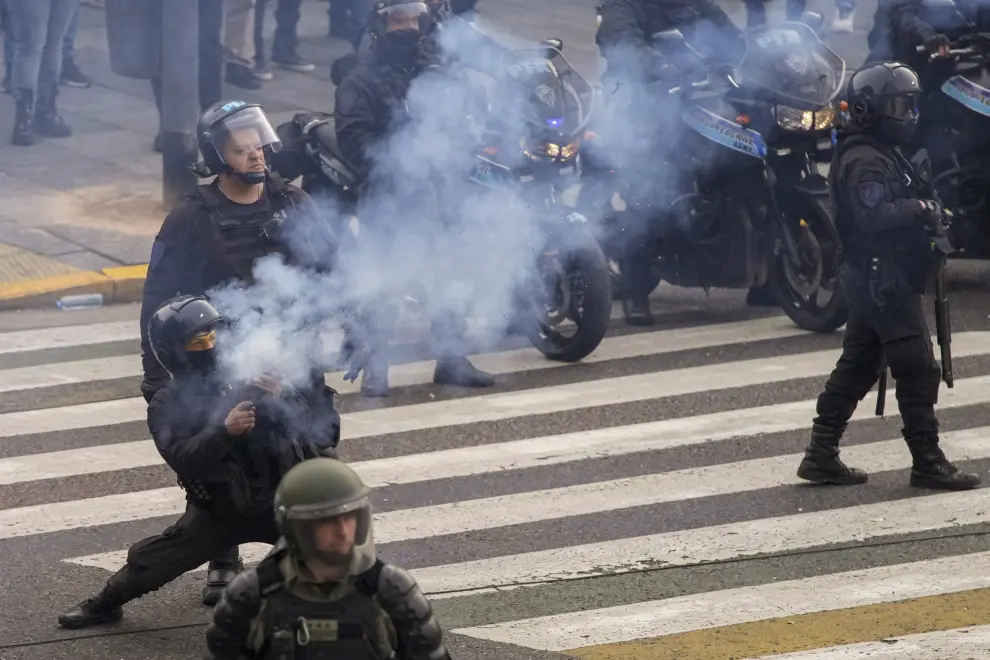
351 628
241 232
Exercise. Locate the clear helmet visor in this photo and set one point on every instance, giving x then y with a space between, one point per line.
337 536
406 16
238 136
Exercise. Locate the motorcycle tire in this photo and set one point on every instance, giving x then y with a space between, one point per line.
590 263
829 318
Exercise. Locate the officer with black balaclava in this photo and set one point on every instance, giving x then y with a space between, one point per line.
323 592
370 106
886 226
216 234
228 443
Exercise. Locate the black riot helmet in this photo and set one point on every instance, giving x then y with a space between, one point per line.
399 28
883 99
182 334
232 127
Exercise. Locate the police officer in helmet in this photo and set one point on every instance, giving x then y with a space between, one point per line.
370 106
323 591
886 224
228 444
216 234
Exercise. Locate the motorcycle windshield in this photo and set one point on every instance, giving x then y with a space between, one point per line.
558 99
789 61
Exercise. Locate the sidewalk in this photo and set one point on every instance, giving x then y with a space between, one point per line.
78 215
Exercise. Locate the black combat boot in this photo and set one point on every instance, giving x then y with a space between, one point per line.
761 296
931 469
637 310
821 463
220 574
47 121
24 119
104 608
460 372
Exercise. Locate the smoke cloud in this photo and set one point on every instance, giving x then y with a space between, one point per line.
426 232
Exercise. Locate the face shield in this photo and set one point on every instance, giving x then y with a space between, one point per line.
242 140
406 16
336 536
201 351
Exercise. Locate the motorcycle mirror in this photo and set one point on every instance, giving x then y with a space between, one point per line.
814 20
553 42
668 39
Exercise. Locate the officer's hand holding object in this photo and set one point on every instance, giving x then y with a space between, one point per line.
240 419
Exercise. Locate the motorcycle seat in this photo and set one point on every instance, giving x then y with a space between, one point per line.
326 134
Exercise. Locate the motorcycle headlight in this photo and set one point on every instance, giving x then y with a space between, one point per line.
791 119
551 151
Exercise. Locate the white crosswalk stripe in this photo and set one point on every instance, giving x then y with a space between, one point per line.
643 503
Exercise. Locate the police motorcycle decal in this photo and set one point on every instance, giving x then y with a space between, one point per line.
968 93
725 132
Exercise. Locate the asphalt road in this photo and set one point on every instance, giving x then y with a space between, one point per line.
460 507
554 457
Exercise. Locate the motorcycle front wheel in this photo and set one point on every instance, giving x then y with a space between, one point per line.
568 302
808 289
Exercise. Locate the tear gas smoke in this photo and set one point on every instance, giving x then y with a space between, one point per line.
425 230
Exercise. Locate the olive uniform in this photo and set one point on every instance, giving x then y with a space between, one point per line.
278 610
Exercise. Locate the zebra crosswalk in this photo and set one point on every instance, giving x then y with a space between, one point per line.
642 503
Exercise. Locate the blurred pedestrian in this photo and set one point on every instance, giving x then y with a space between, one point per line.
39 27
238 43
72 75
285 42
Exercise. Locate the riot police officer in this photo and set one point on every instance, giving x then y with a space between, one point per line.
884 222
216 234
370 105
229 444
323 587
899 27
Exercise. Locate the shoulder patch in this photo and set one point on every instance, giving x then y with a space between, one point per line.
157 252
871 193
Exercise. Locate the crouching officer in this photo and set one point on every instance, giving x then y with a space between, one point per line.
883 220
323 592
216 235
229 446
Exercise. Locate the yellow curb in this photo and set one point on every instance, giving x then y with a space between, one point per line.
117 285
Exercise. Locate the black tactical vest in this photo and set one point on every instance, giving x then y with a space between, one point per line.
241 233
910 248
352 628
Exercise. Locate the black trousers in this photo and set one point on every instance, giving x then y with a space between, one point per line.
210 57
286 37
756 13
905 340
197 537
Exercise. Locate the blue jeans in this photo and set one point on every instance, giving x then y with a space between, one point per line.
40 27
69 43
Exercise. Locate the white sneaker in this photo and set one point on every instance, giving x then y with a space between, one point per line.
843 23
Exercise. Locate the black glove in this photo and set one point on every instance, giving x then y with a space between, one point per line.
935 42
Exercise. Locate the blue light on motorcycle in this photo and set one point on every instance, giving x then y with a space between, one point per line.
835 137
555 122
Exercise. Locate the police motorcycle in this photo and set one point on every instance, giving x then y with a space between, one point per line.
563 305
955 125
748 207
532 158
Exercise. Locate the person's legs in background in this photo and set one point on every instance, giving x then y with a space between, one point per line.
238 43
211 17
286 40
71 73
261 69
9 48
844 14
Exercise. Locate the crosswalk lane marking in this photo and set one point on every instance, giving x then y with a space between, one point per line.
503 405
957 644
400 375
518 454
680 548
671 616
504 510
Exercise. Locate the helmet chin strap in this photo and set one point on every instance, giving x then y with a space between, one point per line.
251 178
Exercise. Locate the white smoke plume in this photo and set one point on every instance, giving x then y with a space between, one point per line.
426 232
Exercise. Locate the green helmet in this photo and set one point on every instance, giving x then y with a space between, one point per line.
314 492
